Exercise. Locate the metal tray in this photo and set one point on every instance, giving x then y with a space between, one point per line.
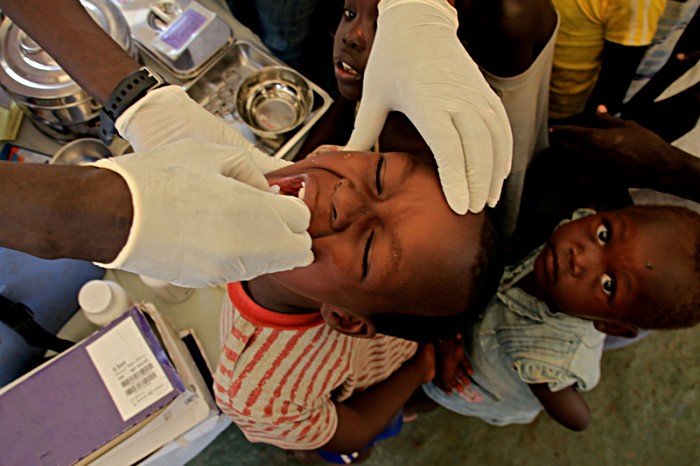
199 56
216 89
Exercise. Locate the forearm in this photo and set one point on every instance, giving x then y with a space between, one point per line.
566 406
75 41
619 64
366 415
69 211
681 174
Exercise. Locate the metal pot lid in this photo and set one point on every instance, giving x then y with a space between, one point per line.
27 71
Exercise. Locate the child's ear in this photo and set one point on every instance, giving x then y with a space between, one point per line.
617 329
346 322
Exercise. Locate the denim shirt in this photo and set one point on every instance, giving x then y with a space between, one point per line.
517 342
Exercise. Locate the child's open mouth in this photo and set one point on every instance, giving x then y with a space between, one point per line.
290 186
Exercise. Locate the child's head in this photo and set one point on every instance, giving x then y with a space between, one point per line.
638 267
386 243
352 43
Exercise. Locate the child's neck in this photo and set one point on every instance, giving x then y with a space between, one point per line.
530 286
269 293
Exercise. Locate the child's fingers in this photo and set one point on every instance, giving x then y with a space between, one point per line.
609 120
688 56
324 148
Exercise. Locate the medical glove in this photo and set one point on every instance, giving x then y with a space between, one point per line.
203 216
419 67
168 114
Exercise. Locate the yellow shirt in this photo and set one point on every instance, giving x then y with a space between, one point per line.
584 26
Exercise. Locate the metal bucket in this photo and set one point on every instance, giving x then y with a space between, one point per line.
56 104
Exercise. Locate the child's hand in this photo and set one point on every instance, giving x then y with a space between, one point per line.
453 368
323 148
622 145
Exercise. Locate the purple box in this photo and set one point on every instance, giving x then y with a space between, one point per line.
64 411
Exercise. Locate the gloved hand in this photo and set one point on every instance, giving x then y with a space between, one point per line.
205 220
168 114
419 67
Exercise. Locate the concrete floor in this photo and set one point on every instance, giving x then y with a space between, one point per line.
646 411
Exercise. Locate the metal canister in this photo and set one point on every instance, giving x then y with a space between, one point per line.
56 104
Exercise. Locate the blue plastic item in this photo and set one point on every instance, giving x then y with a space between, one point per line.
50 289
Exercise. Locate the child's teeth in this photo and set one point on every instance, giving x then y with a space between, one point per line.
275 189
302 191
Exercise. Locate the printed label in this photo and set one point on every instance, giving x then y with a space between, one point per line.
183 28
129 369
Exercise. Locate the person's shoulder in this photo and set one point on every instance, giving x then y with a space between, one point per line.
520 19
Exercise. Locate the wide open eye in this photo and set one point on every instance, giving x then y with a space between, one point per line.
348 13
608 284
379 174
602 233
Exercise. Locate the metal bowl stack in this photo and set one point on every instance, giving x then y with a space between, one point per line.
274 100
44 91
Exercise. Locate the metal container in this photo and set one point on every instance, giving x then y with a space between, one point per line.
57 105
274 100
81 151
148 18
217 88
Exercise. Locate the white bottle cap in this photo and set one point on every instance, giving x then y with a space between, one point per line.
103 301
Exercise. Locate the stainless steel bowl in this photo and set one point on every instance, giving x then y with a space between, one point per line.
274 100
79 151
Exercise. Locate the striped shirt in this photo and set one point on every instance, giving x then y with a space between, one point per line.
279 375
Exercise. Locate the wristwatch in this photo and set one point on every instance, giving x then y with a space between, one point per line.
133 87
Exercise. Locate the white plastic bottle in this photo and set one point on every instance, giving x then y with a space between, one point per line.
102 301
167 291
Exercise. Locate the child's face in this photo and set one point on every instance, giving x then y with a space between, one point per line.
352 43
382 232
609 266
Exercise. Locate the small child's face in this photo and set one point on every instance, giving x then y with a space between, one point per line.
382 231
352 44
609 266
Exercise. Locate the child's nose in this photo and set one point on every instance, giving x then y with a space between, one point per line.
355 39
351 207
583 260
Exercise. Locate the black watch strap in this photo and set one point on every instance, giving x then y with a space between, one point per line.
127 92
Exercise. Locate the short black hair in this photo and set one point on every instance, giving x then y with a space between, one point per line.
685 310
482 284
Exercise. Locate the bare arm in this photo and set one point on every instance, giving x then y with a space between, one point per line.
566 406
619 63
641 157
75 41
366 415
64 211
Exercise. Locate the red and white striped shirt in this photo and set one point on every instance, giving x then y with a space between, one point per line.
279 374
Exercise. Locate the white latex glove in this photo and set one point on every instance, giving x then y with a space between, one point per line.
419 67
203 216
168 114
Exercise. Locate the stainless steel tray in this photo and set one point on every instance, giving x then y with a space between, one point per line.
145 25
216 89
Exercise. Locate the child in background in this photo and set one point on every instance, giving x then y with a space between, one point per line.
540 341
512 41
598 49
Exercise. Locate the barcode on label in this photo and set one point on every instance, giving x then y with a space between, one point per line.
139 379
